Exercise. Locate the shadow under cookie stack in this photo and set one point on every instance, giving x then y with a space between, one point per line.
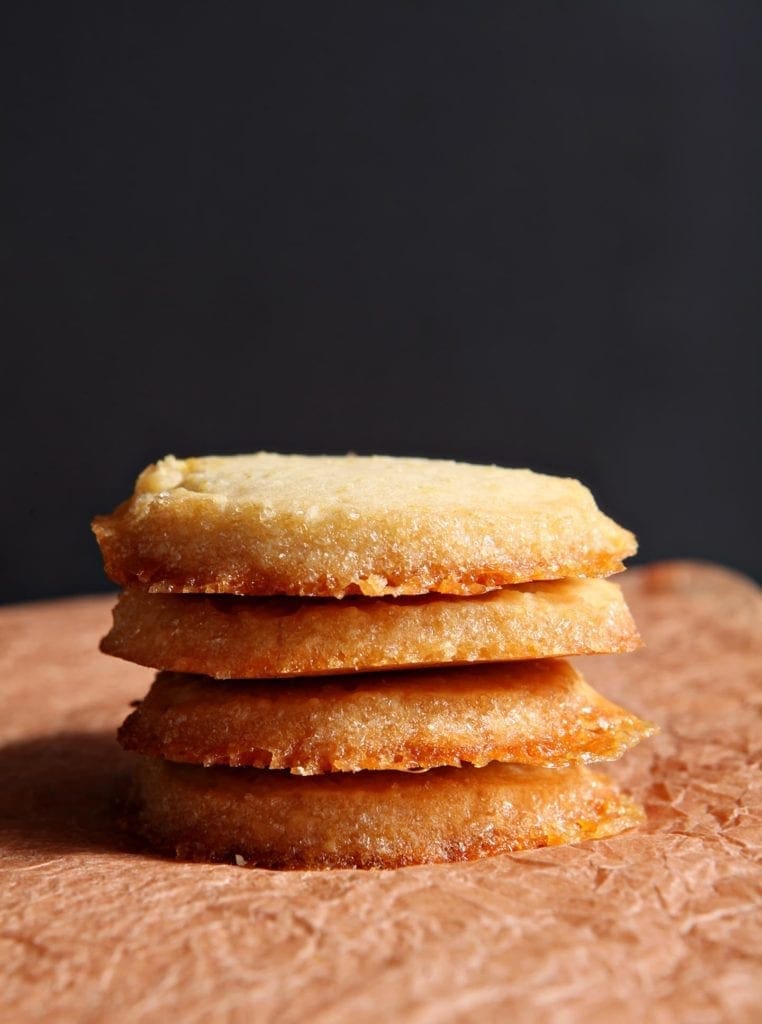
360 659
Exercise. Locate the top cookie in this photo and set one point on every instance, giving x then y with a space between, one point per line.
327 526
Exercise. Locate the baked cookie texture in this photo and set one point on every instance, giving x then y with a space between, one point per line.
534 713
370 819
329 526
361 659
247 637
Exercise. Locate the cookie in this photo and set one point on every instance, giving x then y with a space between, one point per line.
537 713
255 638
327 526
369 819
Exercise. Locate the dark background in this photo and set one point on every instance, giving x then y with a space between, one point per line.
527 233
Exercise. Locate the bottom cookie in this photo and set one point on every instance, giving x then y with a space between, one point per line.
382 819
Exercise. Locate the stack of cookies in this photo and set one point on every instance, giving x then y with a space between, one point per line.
360 659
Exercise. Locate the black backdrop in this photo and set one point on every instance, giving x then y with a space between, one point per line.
527 233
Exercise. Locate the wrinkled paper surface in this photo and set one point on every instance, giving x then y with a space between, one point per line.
663 924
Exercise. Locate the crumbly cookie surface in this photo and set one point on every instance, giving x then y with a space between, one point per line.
248 637
537 713
328 526
370 819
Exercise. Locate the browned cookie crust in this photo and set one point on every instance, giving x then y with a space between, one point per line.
248 637
326 526
371 819
538 713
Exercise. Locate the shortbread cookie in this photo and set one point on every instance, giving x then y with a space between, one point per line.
536 712
371 819
326 526
255 638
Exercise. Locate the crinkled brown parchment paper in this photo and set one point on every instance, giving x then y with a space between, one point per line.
661 925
